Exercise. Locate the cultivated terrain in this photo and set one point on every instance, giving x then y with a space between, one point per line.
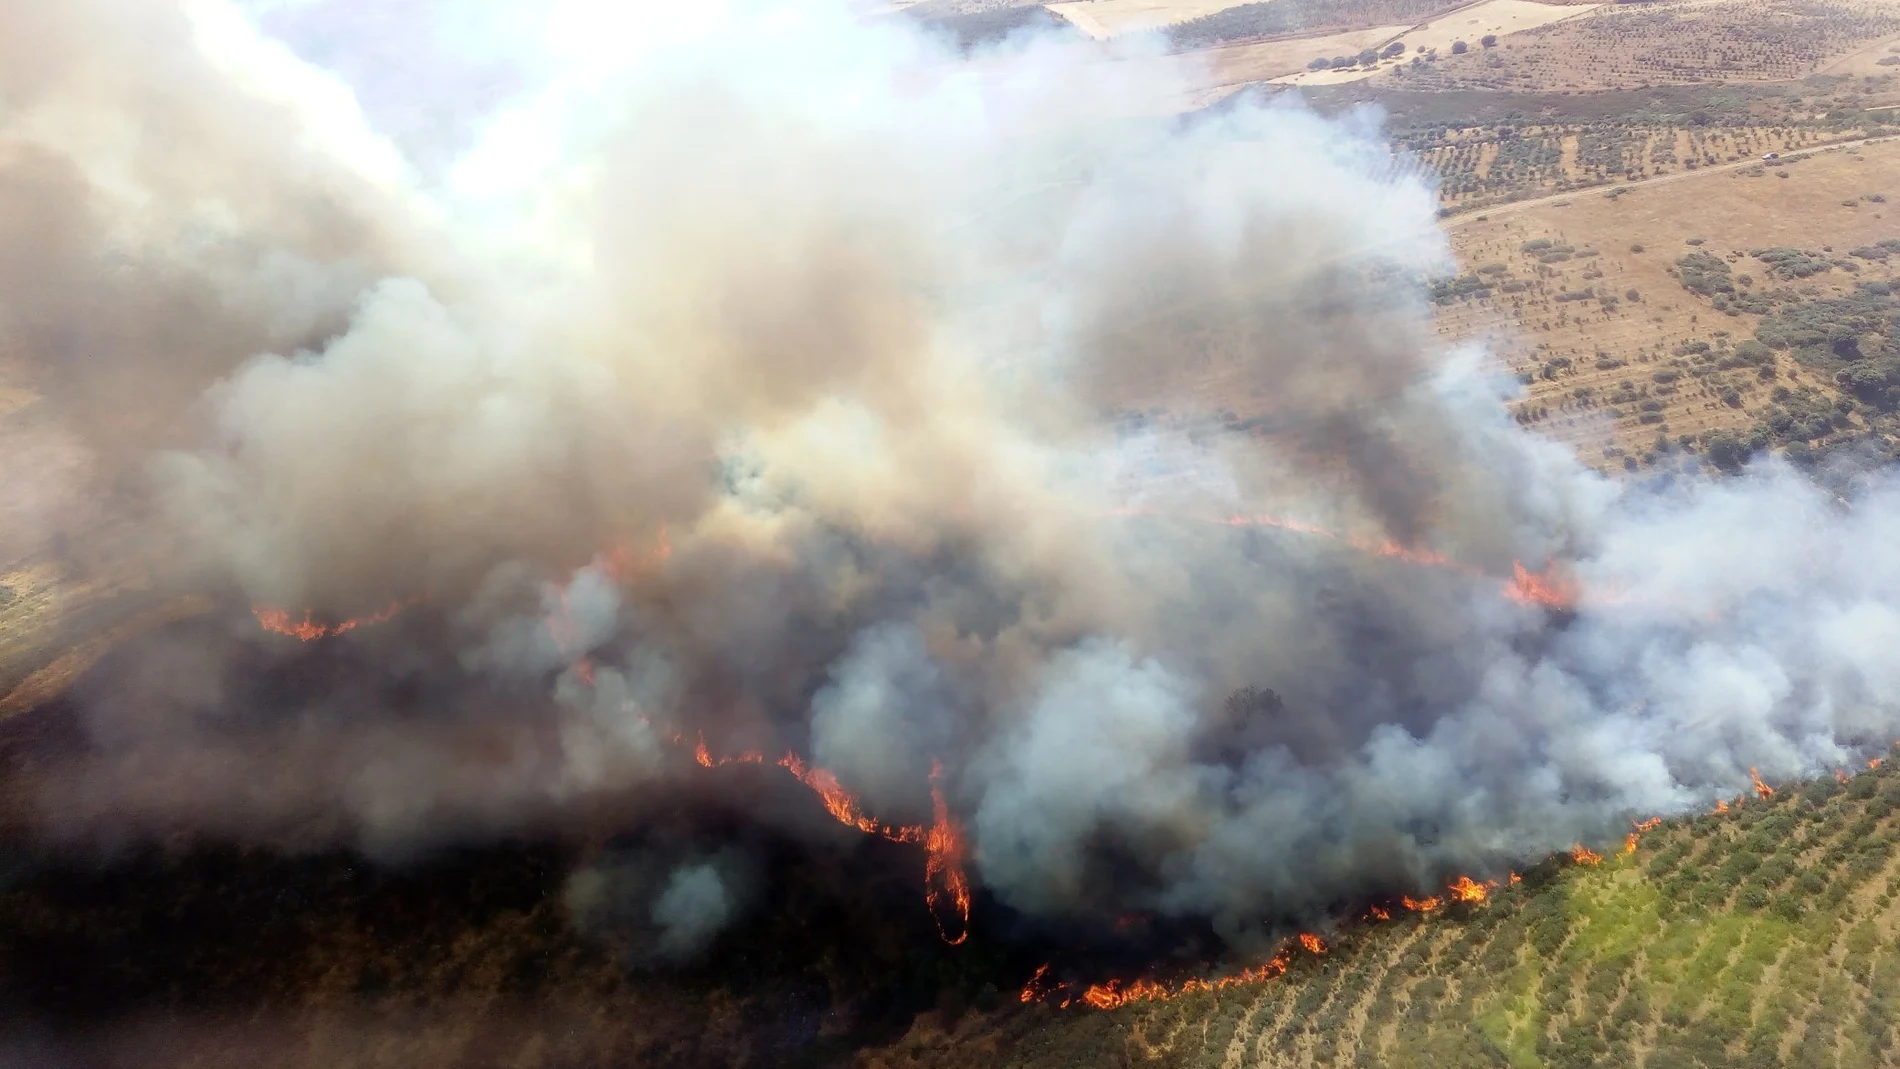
1669 302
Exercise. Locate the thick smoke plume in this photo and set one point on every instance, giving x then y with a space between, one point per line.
774 377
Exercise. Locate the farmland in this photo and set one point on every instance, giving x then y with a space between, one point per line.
1586 299
1762 936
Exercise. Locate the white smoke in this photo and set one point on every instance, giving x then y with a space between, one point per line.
759 382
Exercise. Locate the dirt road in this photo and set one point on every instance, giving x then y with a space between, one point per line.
1504 209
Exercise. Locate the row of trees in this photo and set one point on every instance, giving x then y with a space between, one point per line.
1371 56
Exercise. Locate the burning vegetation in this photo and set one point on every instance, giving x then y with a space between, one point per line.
857 530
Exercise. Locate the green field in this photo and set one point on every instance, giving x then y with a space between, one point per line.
1760 937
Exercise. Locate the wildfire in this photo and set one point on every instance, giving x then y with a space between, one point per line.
1466 889
706 760
1112 994
946 886
1721 805
1031 992
308 630
1549 587
1762 790
838 801
944 881
1873 762
1840 775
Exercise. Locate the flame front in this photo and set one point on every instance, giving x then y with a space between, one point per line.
307 629
1762 790
1583 855
1466 889
1549 588
838 801
945 885
1113 994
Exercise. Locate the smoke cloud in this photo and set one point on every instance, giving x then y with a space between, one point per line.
781 380
659 910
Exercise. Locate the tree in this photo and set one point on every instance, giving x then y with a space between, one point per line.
1489 40
1319 64
1396 48
1459 48
1368 58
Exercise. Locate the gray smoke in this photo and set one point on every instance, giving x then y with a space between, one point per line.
658 908
789 382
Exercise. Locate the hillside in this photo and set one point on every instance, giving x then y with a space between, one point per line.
1760 936
1763 936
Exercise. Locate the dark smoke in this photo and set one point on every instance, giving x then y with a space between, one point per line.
757 378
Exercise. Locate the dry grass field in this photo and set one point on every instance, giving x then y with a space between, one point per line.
1102 19
1468 24
1594 313
1625 46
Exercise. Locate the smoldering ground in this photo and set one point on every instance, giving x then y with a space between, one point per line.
753 379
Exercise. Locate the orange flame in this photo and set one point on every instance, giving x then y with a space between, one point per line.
1031 992
946 887
1114 994
1549 587
1873 762
1583 855
1762 790
1721 805
308 630
838 801
1516 879
1466 889
1313 943
1421 905
1379 913
707 760
944 881
1840 775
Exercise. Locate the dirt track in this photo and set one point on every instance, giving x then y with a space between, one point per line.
1476 214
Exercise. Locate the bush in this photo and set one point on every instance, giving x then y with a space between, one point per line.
1459 48
1637 247
1489 40
1704 274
